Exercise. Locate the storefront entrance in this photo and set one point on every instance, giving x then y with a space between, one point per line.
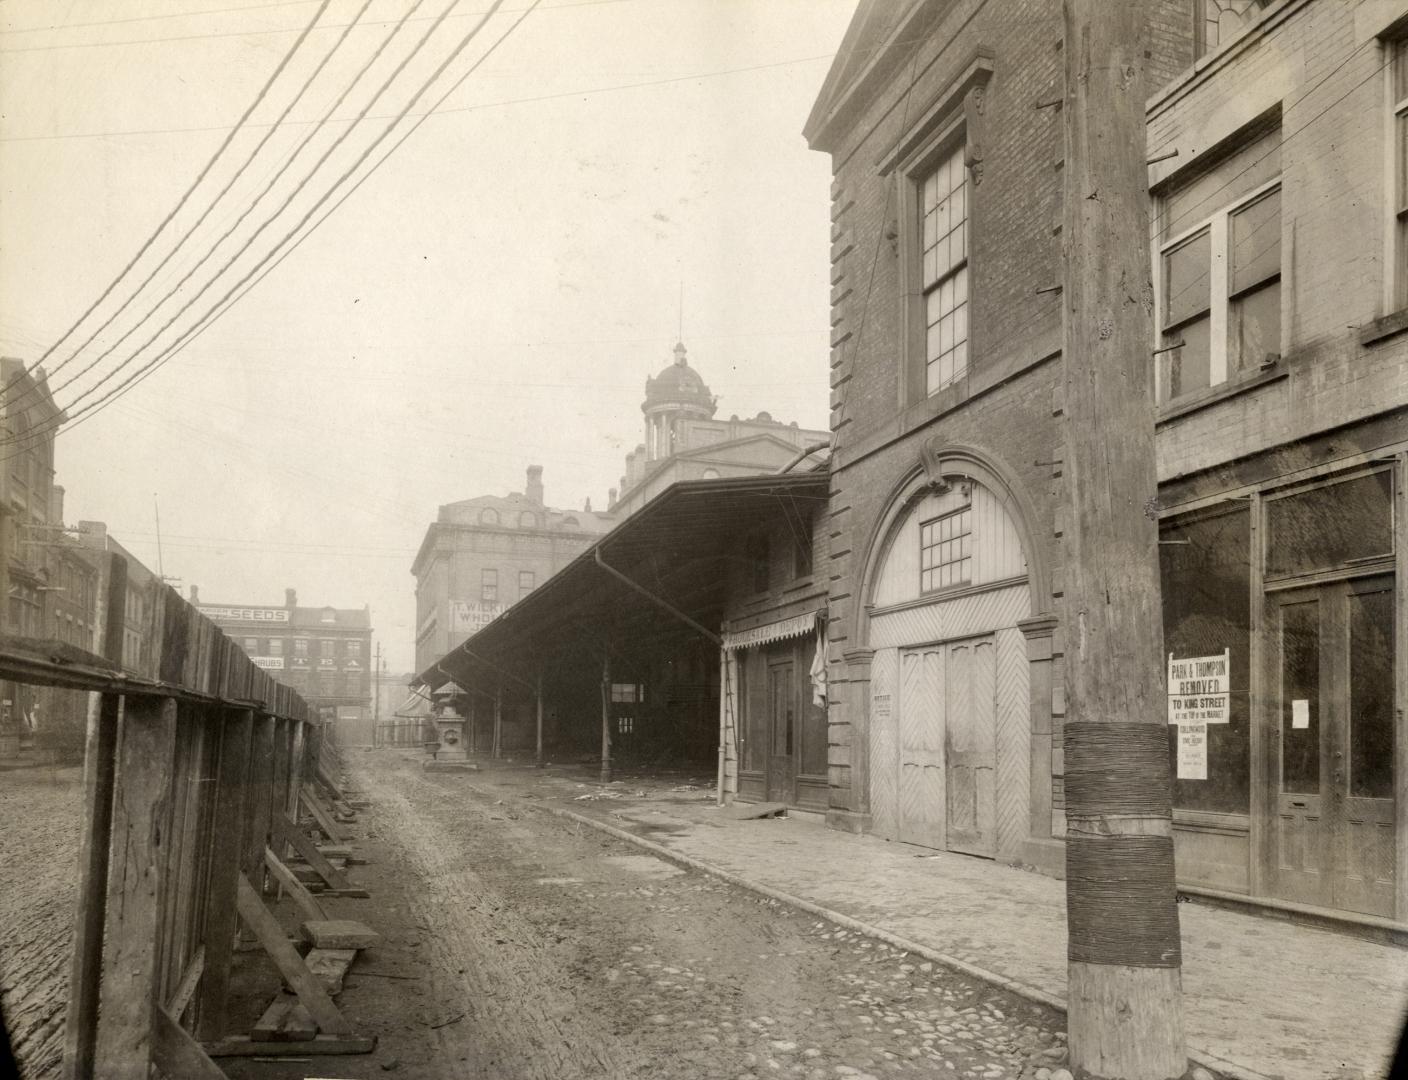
781 717
1334 803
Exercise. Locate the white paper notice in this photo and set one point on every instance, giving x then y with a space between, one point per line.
1192 751
1199 689
1300 712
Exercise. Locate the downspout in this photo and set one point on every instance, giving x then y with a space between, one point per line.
806 452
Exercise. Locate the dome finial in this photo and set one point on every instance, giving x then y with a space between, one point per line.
680 351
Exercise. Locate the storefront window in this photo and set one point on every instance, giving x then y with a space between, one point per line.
1206 576
1324 527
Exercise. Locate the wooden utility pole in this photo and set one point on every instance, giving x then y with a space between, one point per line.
1125 1013
376 694
606 718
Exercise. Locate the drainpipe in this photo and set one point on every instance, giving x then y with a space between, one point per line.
803 455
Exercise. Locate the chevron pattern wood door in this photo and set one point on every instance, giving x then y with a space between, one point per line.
971 745
921 750
884 745
1014 739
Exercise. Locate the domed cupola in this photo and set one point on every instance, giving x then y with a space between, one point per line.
675 394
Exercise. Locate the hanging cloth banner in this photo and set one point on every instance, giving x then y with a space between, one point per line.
818 670
796 626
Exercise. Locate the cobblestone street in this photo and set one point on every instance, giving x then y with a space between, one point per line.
557 952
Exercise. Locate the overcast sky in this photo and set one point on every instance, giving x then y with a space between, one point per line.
493 296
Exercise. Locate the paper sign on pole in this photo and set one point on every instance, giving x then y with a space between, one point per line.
1199 689
1192 751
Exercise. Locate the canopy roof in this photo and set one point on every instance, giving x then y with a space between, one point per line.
677 547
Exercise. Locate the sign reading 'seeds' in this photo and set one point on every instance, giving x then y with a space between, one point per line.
244 614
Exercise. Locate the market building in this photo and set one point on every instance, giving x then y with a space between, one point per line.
324 653
1280 376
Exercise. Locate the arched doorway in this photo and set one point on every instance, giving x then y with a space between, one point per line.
950 712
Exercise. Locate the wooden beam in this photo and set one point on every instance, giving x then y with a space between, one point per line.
176 1053
221 914
289 833
99 772
309 907
321 815
242 1046
291 966
141 831
261 774
186 988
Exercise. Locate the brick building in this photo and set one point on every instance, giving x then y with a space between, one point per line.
322 652
482 555
1281 388
50 586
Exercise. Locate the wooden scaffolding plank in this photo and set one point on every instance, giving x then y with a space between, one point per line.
310 907
186 988
221 915
321 815
302 843
176 1053
291 966
141 829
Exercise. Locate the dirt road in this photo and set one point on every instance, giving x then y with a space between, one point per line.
547 950
40 809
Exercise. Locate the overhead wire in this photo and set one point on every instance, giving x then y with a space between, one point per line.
216 311
258 198
142 250
65 25
191 230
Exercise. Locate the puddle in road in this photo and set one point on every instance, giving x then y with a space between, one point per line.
648 865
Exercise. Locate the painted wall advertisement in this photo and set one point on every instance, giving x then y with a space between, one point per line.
269 663
1199 692
471 616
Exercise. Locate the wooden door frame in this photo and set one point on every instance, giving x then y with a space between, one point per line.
771 663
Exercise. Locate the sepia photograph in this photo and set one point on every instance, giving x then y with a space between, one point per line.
704 539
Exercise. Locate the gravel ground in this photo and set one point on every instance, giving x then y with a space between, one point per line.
40 809
549 950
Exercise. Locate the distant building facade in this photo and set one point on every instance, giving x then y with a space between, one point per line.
322 652
50 584
482 555
684 441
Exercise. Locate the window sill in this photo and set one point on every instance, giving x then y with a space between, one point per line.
1384 328
1213 395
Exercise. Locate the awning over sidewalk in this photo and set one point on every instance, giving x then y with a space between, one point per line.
677 548
796 626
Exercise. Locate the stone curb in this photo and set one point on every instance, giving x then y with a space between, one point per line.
1230 1070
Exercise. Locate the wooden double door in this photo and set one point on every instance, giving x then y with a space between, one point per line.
947 736
1333 744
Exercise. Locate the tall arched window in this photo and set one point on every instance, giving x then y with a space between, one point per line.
488 517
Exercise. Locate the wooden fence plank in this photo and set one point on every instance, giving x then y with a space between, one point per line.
302 843
221 916
310 907
260 779
141 833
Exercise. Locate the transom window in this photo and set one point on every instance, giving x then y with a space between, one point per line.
946 551
943 204
1219 289
1221 20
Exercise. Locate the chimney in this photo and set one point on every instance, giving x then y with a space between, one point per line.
290 598
534 491
195 594
611 499
56 505
587 506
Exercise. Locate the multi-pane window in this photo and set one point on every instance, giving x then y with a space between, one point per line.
276 646
300 646
628 693
946 551
489 586
527 580
251 645
943 203
1219 21
1398 184
1219 293
354 647
759 562
327 647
